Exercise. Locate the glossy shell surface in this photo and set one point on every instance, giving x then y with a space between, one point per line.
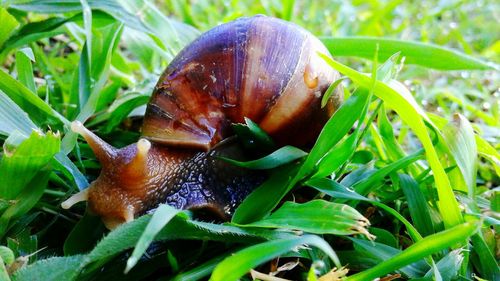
262 68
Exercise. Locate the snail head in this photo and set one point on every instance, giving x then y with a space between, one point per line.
116 194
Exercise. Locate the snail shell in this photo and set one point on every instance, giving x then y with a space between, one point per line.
261 68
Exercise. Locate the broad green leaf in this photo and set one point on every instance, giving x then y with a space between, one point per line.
317 216
13 118
403 103
51 269
421 249
459 137
235 266
339 191
417 205
20 164
160 218
9 24
278 158
424 54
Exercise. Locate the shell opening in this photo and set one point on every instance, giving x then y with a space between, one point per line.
79 197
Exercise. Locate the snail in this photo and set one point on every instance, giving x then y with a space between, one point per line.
261 68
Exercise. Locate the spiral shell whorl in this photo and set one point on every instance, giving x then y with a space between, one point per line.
262 68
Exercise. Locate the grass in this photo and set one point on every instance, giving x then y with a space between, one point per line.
401 183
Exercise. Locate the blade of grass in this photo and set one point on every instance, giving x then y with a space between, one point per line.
417 205
409 111
160 218
26 99
235 266
380 252
24 57
278 158
424 54
265 197
459 137
421 249
9 24
13 118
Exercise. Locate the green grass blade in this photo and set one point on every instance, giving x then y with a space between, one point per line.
484 259
459 137
13 118
235 266
278 158
421 249
380 252
366 184
424 54
26 99
160 218
448 266
265 197
317 216
201 271
112 7
337 127
403 103
487 151
288 9
417 205
33 31
24 57
9 24
336 157
122 108
25 200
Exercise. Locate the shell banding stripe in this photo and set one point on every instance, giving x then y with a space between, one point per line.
234 71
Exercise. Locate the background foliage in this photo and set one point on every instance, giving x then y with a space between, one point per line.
409 161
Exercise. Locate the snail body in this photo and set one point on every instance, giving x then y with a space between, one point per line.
261 68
